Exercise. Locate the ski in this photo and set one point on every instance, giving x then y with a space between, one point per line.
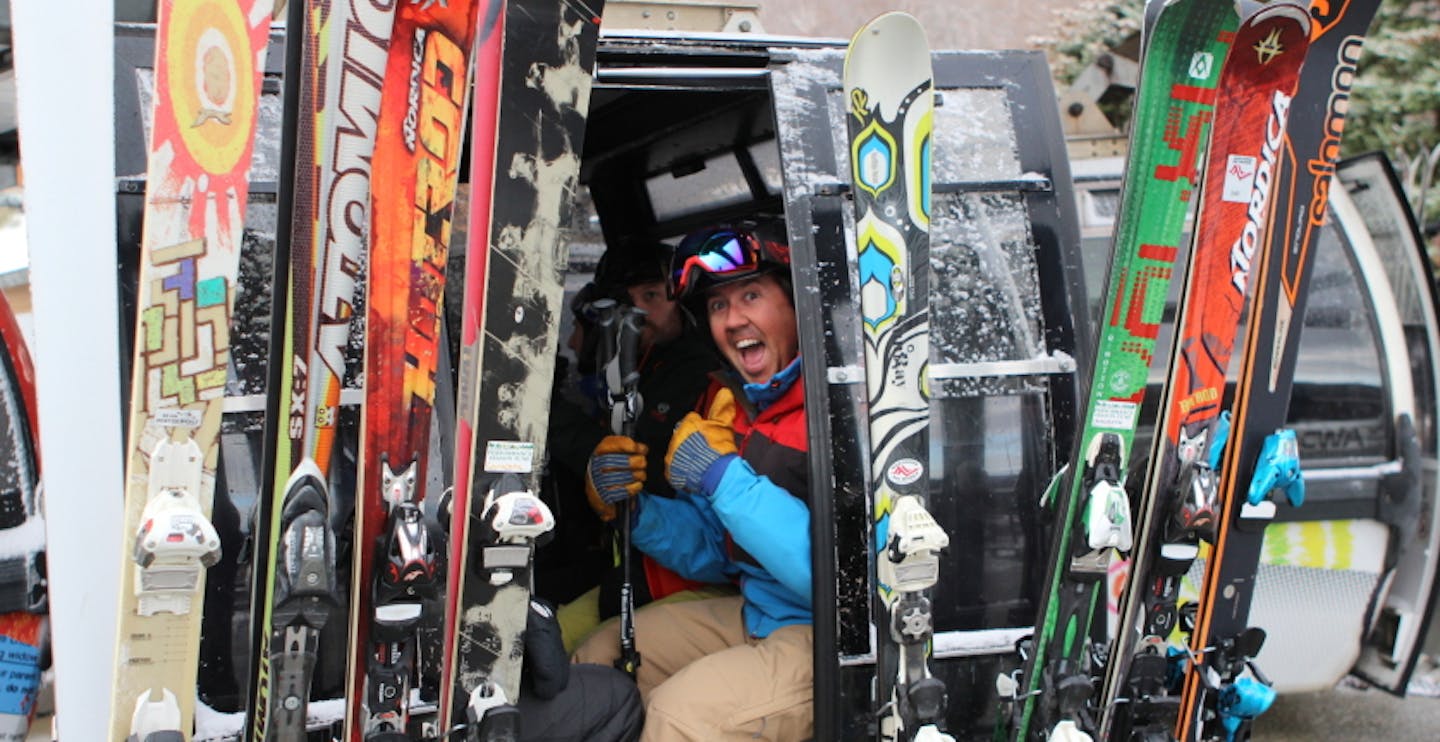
1177 508
532 95
891 99
398 554
335 63
209 56
24 630
1255 465
1174 108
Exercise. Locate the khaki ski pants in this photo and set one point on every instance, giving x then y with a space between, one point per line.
703 679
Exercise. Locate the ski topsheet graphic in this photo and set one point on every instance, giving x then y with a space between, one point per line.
209 56
532 95
891 104
1184 53
399 557
1302 182
331 116
1177 508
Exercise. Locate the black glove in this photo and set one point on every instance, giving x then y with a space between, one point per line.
547 667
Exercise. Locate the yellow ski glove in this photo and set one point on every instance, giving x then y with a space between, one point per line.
615 474
698 442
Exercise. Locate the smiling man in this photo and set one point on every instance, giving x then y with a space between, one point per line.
735 667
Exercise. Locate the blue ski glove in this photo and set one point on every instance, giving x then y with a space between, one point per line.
615 474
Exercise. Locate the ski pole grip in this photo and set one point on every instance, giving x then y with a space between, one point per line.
632 322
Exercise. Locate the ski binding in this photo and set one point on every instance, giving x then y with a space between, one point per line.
490 716
1196 494
1277 473
1107 507
156 721
912 565
1241 701
307 545
1067 731
176 541
514 520
305 595
411 564
913 548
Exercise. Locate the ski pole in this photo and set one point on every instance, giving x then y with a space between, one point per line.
624 411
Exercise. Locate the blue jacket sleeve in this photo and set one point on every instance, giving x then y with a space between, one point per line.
766 521
684 535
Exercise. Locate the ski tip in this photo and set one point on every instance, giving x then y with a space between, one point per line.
894 38
1288 10
887 58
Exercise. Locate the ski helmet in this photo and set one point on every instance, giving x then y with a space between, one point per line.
630 265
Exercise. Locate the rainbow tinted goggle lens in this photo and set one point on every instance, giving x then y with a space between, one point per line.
721 255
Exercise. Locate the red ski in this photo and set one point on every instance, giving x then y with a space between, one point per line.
398 555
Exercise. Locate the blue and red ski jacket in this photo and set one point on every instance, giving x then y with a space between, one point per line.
751 525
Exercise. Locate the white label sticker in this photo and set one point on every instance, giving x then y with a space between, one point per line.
1239 178
176 418
509 456
1201 65
905 471
1115 414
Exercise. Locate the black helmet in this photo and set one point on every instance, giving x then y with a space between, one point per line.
718 255
629 265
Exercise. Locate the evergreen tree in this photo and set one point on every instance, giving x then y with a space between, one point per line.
1394 103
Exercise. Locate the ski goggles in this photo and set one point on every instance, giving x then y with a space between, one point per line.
718 256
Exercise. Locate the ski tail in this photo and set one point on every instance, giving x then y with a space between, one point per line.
290 278
331 120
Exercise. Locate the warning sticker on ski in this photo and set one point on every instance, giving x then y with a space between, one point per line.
19 675
1114 414
509 456
1239 178
178 418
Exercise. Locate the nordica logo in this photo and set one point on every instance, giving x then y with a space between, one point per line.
1244 249
412 112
